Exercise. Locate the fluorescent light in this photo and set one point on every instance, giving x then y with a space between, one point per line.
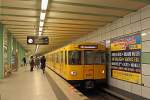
42 16
143 34
37 47
40 29
44 4
40 33
41 23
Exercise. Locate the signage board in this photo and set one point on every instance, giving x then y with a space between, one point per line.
126 58
38 40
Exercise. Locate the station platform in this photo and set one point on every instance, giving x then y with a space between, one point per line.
26 85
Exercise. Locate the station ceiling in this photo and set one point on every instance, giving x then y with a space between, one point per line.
66 20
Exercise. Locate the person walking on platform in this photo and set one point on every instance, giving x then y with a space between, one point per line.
37 62
31 63
43 61
24 61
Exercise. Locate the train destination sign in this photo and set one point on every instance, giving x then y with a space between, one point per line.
126 58
88 46
38 40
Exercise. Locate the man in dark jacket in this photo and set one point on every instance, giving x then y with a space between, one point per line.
31 63
43 61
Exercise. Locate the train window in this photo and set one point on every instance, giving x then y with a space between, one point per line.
61 53
57 57
94 57
65 57
74 57
88 57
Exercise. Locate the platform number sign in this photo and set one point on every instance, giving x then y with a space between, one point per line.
126 58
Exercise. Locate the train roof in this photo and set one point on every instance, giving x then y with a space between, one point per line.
82 46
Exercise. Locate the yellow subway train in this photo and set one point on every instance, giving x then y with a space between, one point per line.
82 63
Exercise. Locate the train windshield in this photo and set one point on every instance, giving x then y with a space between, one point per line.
74 57
94 57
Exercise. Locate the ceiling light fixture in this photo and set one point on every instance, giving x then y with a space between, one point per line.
41 23
44 4
37 46
40 33
42 16
40 29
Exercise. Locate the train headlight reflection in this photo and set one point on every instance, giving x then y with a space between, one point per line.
103 71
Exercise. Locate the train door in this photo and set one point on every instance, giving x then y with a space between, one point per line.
88 69
61 61
99 65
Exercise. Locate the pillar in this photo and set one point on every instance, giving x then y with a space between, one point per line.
1 52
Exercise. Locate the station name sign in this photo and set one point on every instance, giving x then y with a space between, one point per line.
88 46
38 40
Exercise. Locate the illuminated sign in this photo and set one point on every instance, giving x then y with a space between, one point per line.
38 40
88 46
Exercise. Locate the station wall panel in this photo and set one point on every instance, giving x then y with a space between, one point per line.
135 22
136 89
146 80
145 92
146 69
145 23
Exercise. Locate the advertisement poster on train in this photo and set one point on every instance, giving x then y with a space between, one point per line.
126 58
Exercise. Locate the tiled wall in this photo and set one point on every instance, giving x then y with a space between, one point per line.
135 22
7 39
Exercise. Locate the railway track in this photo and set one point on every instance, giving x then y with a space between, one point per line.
98 94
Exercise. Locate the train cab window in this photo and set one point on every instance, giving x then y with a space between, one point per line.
61 58
94 57
74 57
88 57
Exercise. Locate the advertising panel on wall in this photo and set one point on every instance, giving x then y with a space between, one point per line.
126 58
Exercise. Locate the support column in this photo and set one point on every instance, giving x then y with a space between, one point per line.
10 49
1 52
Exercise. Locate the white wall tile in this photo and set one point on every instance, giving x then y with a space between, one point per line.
119 22
136 89
146 92
108 27
113 82
145 12
107 35
146 46
126 20
146 69
146 80
124 85
145 23
120 31
112 34
146 36
136 27
113 26
136 16
127 29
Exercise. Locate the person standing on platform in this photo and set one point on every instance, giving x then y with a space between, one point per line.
31 63
37 62
24 61
43 61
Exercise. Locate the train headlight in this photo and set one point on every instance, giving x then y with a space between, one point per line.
73 73
103 71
